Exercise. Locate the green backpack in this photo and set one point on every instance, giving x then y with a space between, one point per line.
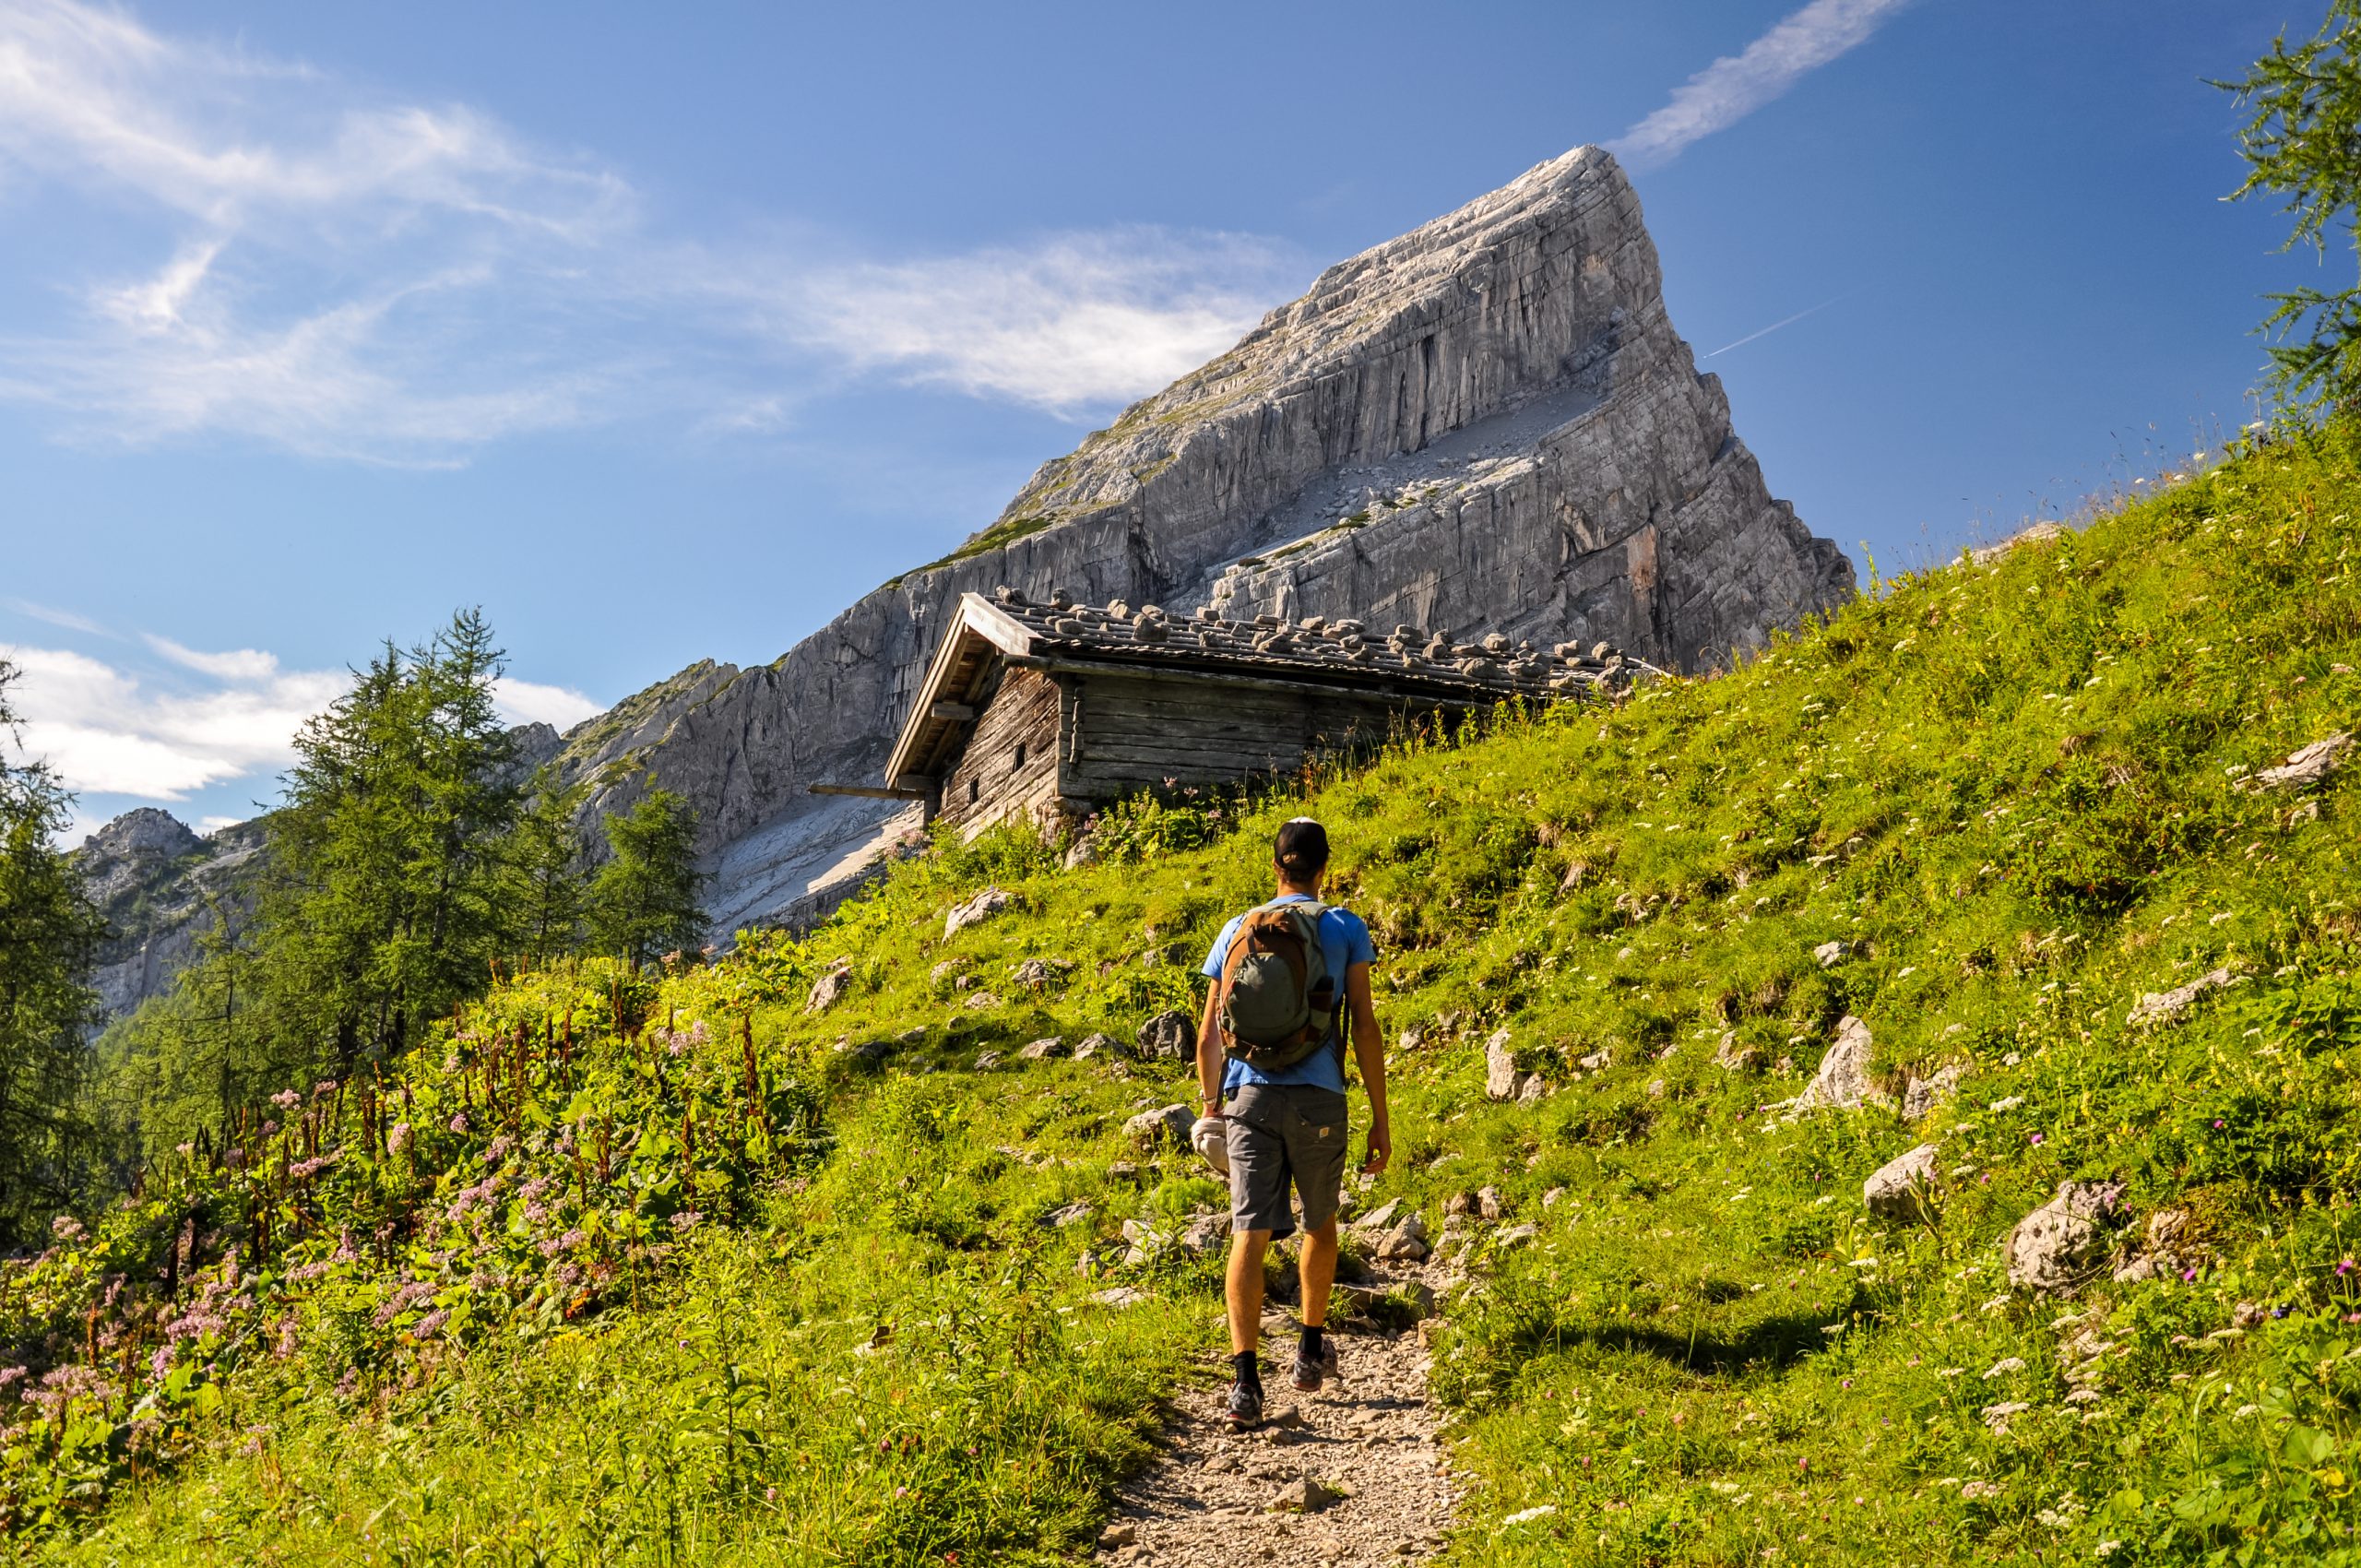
1277 997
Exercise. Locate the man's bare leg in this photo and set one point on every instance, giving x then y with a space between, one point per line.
1318 1268
1243 1288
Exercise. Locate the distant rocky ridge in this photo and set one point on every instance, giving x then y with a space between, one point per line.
1486 425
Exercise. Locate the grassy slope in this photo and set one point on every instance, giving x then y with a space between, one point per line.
2010 790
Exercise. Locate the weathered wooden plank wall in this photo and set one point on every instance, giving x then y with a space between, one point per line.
1123 733
1010 763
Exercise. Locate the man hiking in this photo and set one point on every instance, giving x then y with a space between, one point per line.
1290 987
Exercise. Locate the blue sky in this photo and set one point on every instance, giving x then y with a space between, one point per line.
663 334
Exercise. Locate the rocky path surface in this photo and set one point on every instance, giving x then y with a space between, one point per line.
1351 1475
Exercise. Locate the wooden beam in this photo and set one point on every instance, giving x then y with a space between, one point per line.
868 791
957 712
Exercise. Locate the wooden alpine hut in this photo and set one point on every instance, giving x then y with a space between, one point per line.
1053 708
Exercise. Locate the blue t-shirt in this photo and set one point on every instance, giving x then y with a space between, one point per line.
1343 941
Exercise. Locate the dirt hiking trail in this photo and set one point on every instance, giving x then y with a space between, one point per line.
1352 1475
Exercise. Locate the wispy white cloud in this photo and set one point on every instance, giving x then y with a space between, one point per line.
529 702
1075 321
237 664
51 615
107 731
339 273
1737 84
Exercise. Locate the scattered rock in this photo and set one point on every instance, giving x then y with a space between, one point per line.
1153 1129
1732 1057
1828 954
1902 1186
1040 974
1843 1082
987 1061
1123 1532
975 912
1656 1089
1598 1061
2308 766
1490 1203
1380 1216
1516 1235
2060 1245
1206 1233
1922 1094
2161 1007
829 988
1457 1205
940 975
1500 1076
1170 1035
1308 1495
1073 1214
1534 1088
981 1000
2039 533
1550 1199
2159 1253
1041 1049
1406 1241
1120 1296
1092 1044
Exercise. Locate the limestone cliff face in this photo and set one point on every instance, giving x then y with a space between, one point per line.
1488 423
161 888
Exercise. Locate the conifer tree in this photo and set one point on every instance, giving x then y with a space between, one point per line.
49 935
2303 142
547 881
644 901
383 902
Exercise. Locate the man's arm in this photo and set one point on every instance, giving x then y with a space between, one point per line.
1209 1052
1369 1050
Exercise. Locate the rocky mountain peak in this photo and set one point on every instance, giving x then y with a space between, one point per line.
1487 422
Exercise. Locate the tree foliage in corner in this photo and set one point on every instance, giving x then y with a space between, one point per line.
644 901
2303 142
49 936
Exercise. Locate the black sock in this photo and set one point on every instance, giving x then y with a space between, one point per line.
1248 1373
1313 1334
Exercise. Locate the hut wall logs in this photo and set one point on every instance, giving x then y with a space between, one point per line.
1009 766
1123 733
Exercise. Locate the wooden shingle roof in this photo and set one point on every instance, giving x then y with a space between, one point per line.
1414 662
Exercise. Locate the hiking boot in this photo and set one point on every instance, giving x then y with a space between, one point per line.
1311 1369
1245 1404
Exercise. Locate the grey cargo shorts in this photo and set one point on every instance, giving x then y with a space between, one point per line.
1281 1133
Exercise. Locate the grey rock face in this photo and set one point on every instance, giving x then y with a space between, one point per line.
2310 765
1843 1082
160 886
1922 1094
1487 422
1902 1186
1152 1129
2062 1244
2163 1006
829 988
975 912
1170 1035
